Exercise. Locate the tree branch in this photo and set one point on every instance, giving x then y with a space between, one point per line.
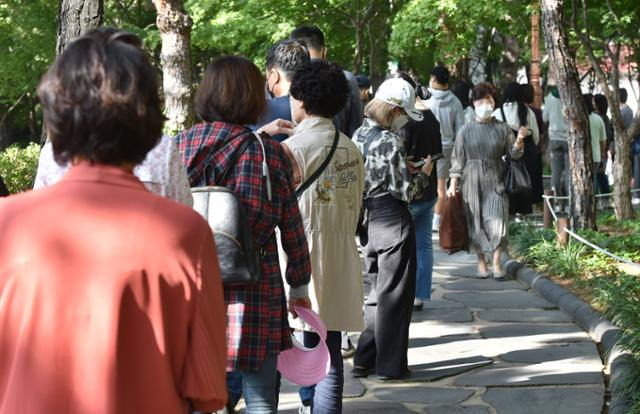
11 108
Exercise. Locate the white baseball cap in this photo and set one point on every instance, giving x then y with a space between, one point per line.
398 92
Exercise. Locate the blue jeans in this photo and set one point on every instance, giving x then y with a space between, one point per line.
259 388
326 397
423 218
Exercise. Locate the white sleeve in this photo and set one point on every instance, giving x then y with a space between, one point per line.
49 172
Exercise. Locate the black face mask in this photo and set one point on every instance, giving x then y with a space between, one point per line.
269 91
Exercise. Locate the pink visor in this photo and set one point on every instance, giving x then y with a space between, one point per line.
306 366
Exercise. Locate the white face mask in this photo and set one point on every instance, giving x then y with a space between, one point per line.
484 111
399 122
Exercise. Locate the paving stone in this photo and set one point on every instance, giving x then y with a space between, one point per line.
444 341
423 395
457 409
508 299
373 406
556 400
576 352
446 368
434 329
561 332
441 303
531 316
470 272
443 315
360 406
484 285
551 373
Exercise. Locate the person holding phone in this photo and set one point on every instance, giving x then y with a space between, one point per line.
423 143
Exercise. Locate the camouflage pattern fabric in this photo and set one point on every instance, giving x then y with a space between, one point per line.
385 166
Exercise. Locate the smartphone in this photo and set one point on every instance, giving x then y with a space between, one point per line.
434 158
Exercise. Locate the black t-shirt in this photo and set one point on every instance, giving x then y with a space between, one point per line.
421 139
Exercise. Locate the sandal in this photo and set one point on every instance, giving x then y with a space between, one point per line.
484 275
498 275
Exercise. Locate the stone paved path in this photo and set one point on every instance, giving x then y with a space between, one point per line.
480 347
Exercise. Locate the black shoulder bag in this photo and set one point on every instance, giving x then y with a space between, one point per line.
320 170
239 260
516 176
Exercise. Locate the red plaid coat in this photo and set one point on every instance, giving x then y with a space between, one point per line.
256 315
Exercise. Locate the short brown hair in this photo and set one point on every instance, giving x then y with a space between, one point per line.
381 112
232 90
484 90
100 100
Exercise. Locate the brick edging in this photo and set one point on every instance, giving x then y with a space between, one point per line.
601 330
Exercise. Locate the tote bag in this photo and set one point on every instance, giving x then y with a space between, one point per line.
454 235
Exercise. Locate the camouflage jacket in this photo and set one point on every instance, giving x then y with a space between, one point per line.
385 166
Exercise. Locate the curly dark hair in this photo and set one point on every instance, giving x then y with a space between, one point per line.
100 100
484 90
321 87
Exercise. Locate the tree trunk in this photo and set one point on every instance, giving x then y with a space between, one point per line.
535 55
622 161
174 25
581 189
77 17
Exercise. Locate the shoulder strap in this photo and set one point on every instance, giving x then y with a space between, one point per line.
241 150
320 169
504 118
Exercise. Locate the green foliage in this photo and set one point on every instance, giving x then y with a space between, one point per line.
620 297
446 30
27 44
18 167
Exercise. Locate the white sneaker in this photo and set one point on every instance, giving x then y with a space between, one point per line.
435 225
304 410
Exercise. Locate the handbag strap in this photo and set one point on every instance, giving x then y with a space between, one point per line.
241 150
320 169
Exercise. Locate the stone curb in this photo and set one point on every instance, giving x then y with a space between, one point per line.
600 329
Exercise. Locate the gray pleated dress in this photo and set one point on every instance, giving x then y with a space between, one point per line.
477 162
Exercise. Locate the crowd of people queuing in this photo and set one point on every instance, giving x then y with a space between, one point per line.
111 298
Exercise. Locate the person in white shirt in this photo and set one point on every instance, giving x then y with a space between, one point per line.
552 114
162 171
598 133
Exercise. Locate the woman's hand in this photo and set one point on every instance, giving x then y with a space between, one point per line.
427 168
304 302
523 132
277 127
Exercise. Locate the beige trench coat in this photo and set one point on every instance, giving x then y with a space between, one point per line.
330 209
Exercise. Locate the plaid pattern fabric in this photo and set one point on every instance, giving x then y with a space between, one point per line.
256 315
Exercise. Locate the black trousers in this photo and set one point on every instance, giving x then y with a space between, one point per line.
390 259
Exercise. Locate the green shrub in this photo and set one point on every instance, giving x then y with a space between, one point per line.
18 167
526 234
620 297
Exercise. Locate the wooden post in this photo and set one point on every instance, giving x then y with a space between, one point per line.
547 217
535 55
563 236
